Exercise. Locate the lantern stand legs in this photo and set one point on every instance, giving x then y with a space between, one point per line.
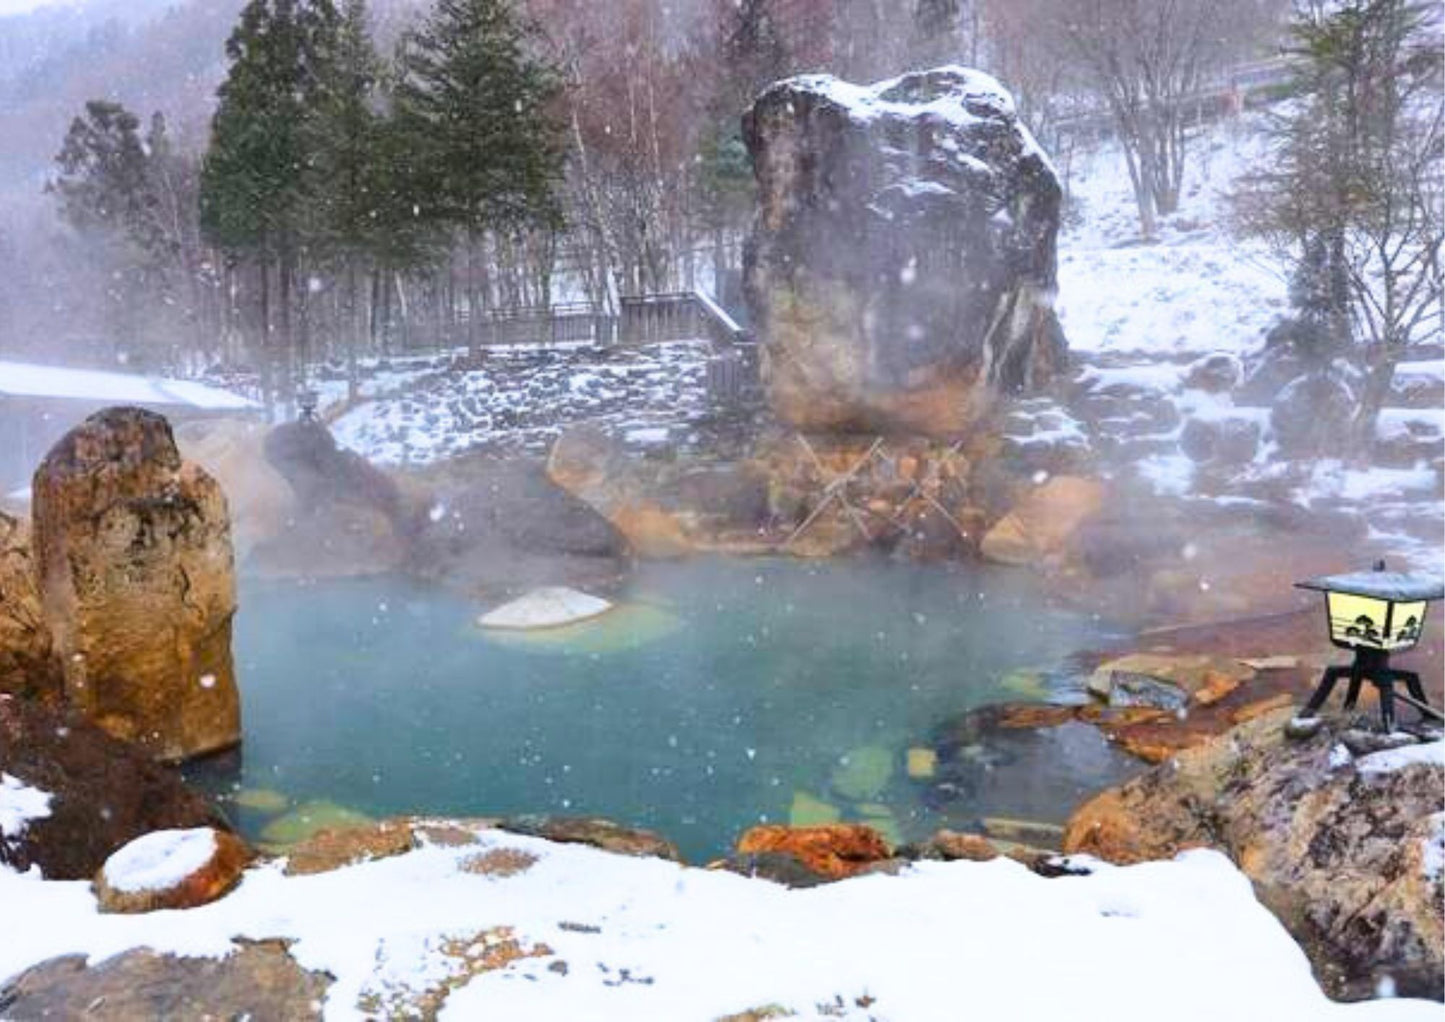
1372 666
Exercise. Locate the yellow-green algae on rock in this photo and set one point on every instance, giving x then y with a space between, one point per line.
309 819
810 811
863 773
263 800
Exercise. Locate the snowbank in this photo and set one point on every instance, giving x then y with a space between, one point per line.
647 939
19 804
24 379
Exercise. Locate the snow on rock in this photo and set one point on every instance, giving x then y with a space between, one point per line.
159 860
1389 760
599 936
548 607
19 804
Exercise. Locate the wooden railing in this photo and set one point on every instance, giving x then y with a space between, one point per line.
679 316
556 324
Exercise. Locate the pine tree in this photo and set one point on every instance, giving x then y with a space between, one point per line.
475 113
255 185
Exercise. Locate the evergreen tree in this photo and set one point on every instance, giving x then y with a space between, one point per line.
255 184
475 116
476 102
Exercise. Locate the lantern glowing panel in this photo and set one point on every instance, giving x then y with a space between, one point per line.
1372 622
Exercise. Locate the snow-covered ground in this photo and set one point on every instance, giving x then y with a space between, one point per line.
600 936
522 398
1137 315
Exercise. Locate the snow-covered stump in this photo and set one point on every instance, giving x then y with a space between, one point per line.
171 869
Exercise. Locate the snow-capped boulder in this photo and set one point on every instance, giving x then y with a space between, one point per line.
133 554
171 869
1311 414
548 607
1347 853
901 268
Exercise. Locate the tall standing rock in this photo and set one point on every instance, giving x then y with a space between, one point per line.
133 549
902 264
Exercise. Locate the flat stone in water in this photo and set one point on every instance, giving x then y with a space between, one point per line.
549 607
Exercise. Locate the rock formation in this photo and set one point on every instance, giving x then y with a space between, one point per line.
1346 852
901 268
133 554
27 667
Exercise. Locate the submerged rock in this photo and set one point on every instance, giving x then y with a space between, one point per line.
133 551
103 792
901 267
1345 852
309 819
171 869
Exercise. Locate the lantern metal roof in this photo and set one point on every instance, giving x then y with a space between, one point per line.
1396 586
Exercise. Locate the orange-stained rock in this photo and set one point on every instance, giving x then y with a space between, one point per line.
593 467
1035 715
1041 525
1259 708
27 665
133 551
163 870
332 849
835 850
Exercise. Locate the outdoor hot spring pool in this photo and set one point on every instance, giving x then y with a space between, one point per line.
719 694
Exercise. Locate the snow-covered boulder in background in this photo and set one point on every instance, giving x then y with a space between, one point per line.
902 264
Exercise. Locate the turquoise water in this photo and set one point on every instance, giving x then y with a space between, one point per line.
718 693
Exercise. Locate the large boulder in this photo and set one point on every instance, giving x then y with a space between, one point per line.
1043 523
101 792
1345 851
133 552
27 666
258 980
348 516
1311 415
901 268
261 501
592 466
495 527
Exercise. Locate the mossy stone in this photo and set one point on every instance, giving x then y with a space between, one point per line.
863 773
309 819
811 811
